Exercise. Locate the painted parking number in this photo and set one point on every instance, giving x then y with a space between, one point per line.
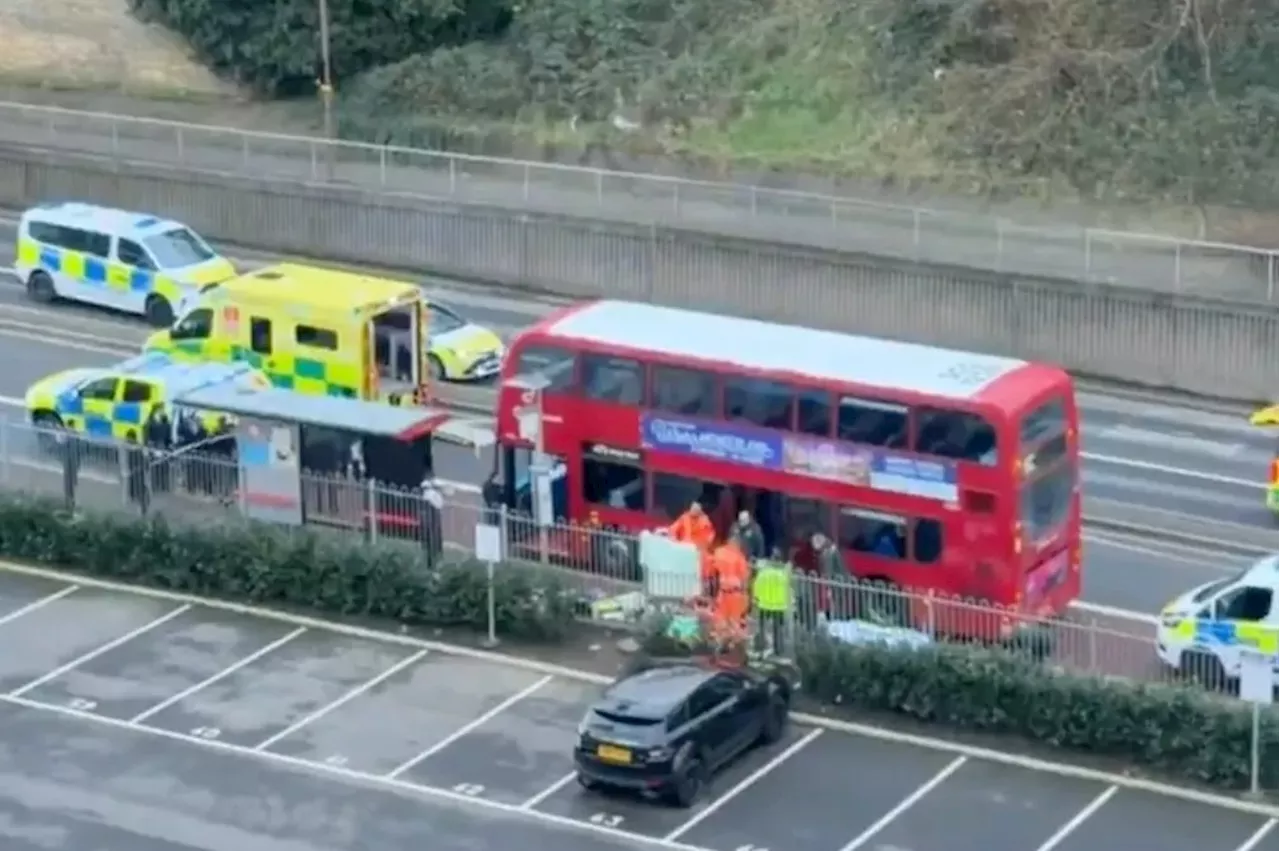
80 704
210 733
469 789
751 848
607 819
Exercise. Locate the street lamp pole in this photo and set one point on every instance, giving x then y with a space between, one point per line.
326 85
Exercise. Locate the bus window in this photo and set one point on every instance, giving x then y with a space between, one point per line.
1046 501
813 412
554 364
684 391
616 380
759 401
926 541
955 434
872 422
611 480
1049 420
672 494
801 518
883 535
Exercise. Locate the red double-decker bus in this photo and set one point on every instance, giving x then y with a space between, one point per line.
933 470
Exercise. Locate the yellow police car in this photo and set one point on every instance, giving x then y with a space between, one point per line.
131 262
460 350
115 403
1202 632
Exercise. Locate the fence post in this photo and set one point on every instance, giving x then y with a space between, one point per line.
5 460
1093 644
371 510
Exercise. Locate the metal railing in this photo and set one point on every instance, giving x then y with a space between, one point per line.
901 231
601 567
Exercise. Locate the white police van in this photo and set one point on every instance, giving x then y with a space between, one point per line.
132 262
1203 631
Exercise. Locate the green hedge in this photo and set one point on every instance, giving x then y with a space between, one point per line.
1178 732
334 574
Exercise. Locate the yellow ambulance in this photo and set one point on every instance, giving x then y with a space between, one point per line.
316 331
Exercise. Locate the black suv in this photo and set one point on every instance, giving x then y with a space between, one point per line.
663 731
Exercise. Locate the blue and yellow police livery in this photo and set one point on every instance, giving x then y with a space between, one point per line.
1203 632
114 403
125 261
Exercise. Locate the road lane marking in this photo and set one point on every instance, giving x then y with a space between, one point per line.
905 804
38 604
1258 836
99 650
467 729
1125 433
351 695
1078 819
225 672
746 783
352 775
1181 472
549 791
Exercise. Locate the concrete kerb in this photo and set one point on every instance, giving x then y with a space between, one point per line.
547 668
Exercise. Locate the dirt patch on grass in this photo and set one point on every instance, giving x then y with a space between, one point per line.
97 44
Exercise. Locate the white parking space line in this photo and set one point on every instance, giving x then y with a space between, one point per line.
346 698
98 651
1252 841
905 804
464 730
231 669
743 785
549 791
629 839
1078 819
43 601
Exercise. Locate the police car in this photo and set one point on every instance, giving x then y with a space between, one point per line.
115 403
132 262
1203 632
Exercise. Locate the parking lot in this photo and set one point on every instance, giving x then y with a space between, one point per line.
129 721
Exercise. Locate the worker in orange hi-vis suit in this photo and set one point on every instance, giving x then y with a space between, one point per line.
694 527
728 628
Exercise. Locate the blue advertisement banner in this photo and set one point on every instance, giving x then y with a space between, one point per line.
715 441
802 456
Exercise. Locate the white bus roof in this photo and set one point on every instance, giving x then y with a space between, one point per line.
768 346
107 219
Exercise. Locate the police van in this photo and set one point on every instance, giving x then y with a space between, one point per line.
1202 632
132 262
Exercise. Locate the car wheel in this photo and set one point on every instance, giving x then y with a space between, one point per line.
687 787
159 312
437 368
47 426
775 721
40 287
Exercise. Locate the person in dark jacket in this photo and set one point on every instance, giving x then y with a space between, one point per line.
136 477
159 439
749 537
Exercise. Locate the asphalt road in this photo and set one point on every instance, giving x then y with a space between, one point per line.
960 238
131 723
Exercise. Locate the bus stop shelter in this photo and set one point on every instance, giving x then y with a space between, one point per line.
320 459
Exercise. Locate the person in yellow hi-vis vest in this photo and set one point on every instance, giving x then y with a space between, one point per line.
771 596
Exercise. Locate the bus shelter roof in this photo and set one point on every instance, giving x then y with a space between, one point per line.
353 415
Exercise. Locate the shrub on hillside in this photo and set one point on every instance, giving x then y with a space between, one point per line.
275 46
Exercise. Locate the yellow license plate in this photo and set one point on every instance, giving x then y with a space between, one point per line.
609 753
